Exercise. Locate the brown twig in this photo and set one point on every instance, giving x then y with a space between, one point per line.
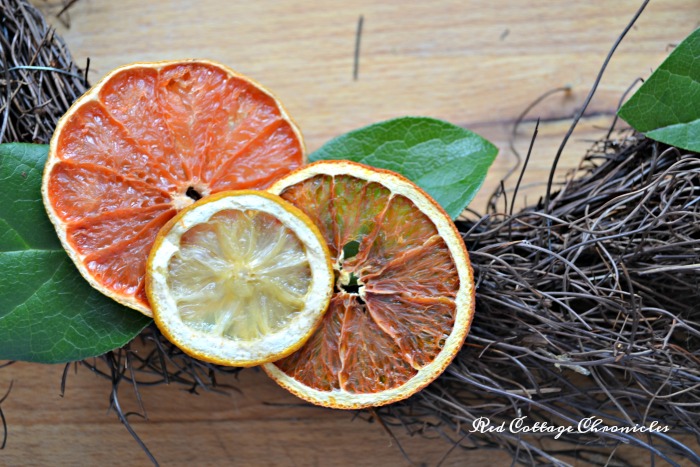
38 75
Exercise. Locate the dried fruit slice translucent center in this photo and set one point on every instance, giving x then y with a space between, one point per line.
399 287
242 274
239 278
157 136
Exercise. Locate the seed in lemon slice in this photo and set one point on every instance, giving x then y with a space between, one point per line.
239 278
404 298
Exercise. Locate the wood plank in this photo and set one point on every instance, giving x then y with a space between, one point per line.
262 425
475 63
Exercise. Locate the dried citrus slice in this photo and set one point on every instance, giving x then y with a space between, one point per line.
146 141
239 278
404 294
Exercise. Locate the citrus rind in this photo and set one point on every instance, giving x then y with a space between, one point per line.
464 300
221 350
92 95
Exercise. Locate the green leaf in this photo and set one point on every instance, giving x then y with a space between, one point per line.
48 312
666 107
447 161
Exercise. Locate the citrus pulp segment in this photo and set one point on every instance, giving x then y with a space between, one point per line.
239 278
146 141
404 294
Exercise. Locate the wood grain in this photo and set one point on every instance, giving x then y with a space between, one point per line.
475 63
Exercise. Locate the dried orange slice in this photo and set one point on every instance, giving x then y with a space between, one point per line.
239 278
146 141
404 294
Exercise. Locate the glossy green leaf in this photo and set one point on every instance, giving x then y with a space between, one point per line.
48 312
666 107
447 161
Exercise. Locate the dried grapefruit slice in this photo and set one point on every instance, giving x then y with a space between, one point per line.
146 141
240 278
404 294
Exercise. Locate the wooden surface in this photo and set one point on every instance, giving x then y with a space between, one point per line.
476 63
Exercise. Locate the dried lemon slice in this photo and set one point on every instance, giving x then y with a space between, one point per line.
239 278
